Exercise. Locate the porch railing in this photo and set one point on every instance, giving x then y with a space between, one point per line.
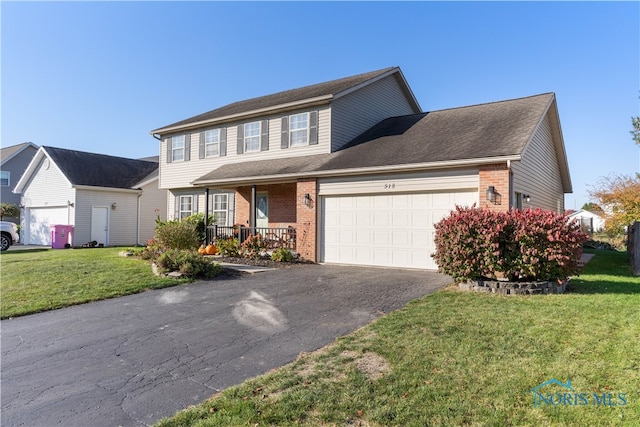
276 237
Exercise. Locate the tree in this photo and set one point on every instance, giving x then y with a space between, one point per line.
7 209
635 133
592 207
619 195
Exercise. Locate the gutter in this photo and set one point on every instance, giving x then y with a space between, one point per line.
360 171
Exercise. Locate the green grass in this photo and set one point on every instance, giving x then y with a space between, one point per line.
37 280
457 358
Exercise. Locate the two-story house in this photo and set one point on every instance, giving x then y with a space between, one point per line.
356 167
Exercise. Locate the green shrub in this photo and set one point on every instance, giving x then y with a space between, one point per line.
282 255
526 245
197 220
253 247
177 235
188 262
228 247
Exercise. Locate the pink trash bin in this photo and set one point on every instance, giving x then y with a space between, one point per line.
61 235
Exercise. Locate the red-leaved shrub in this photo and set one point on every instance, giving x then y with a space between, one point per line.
518 245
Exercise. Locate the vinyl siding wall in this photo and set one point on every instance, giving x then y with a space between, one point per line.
16 167
538 173
122 221
356 112
152 198
47 188
181 174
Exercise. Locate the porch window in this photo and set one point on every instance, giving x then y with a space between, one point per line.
252 137
220 208
299 129
177 148
212 143
4 178
185 206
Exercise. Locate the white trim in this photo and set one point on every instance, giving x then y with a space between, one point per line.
110 189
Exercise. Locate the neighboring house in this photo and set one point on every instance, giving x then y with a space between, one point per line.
358 169
15 160
589 222
111 200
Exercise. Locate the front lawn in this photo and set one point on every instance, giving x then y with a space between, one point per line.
461 358
35 280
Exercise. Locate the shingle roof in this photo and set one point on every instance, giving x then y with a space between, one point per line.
332 87
100 170
482 131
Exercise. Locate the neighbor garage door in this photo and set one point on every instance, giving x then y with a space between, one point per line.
391 230
39 220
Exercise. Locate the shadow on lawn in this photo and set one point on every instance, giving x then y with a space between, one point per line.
24 251
609 272
578 286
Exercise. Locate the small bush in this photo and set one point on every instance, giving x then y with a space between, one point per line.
177 235
253 247
228 247
187 262
197 220
282 255
527 245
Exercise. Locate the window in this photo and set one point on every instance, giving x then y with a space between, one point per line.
177 148
252 137
220 208
299 129
4 178
212 143
185 207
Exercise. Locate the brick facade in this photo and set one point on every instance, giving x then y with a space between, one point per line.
286 208
498 176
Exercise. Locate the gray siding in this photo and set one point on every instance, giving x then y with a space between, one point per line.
122 220
538 173
16 167
47 187
153 204
356 112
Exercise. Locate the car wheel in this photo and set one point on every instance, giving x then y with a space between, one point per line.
5 242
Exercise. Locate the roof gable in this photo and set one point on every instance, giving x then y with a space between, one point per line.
99 170
327 90
8 153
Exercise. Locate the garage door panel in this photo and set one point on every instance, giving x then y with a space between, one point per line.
40 220
395 230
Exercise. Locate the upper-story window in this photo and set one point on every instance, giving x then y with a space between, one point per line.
299 129
251 137
4 178
212 143
178 148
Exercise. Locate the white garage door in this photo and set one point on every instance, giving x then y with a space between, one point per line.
391 230
39 220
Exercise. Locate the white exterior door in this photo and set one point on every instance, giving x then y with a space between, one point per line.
100 224
39 220
390 230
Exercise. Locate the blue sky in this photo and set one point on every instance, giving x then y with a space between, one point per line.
99 76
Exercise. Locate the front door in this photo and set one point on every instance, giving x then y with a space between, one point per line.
262 211
100 224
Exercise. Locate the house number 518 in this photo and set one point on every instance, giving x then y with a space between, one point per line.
389 186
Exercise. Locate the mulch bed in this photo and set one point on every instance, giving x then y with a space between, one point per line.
263 262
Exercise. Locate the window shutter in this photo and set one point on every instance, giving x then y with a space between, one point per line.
176 208
187 147
223 142
313 128
264 137
194 203
169 150
231 209
201 143
284 138
240 139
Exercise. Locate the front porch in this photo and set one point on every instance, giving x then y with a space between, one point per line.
276 237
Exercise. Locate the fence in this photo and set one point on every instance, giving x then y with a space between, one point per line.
282 237
633 246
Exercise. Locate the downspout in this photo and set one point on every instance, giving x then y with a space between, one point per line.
138 220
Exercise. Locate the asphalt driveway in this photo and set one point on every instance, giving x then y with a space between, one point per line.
133 360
